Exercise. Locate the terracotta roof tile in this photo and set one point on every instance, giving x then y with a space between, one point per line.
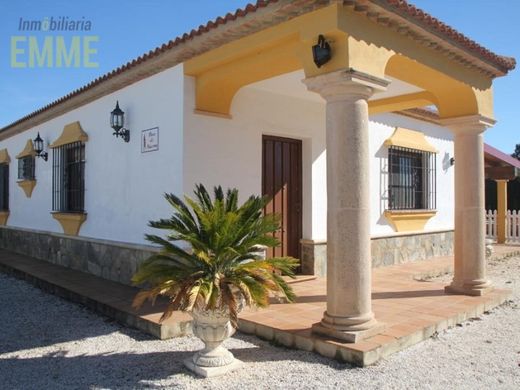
404 8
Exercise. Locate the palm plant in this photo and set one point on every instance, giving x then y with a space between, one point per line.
222 267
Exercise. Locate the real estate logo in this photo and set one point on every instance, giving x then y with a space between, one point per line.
48 44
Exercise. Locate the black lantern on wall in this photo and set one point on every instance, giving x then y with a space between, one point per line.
117 122
38 148
321 52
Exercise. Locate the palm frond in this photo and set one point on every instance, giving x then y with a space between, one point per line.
209 257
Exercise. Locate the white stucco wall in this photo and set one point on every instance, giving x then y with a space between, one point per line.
229 152
123 187
381 127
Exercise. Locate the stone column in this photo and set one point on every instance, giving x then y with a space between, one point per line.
470 251
349 308
501 211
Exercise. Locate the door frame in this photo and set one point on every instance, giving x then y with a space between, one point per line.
299 223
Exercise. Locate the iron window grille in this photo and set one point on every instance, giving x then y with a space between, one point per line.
26 168
4 187
412 182
68 178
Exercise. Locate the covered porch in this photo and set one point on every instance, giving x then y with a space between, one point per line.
379 62
412 307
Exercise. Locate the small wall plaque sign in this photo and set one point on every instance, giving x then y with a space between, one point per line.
150 140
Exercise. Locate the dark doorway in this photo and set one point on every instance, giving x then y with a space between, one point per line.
282 182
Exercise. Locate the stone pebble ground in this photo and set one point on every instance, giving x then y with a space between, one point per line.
48 343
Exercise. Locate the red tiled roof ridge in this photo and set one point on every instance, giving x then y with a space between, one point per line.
404 8
400 6
240 12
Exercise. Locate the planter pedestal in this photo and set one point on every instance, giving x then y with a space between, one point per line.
210 372
212 327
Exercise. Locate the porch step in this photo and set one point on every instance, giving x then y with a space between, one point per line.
108 298
111 299
300 279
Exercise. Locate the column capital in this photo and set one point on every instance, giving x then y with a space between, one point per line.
469 124
344 84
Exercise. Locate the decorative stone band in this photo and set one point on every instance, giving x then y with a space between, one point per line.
111 260
396 248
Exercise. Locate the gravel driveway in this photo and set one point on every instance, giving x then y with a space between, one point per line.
48 343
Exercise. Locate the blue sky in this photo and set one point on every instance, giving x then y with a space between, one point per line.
127 29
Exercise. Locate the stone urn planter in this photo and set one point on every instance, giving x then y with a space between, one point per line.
213 327
219 268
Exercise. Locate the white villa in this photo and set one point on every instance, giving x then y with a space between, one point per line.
374 157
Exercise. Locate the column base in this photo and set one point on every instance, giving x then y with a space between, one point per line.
350 336
476 290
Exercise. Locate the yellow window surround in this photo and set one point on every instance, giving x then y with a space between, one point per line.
28 151
27 185
71 133
410 139
70 222
4 157
409 220
4 215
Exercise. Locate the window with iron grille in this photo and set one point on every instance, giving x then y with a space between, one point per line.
26 168
412 179
4 187
68 178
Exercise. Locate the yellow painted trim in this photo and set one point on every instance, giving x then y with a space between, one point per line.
27 186
501 211
4 215
70 222
409 220
214 114
357 43
410 139
402 102
4 157
28 151
71 133
284 48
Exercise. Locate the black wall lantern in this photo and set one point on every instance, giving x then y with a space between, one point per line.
117 122
321 52
38 148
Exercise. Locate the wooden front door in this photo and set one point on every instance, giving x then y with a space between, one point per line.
282 183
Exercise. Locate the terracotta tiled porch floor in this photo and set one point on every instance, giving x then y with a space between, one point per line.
411 308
